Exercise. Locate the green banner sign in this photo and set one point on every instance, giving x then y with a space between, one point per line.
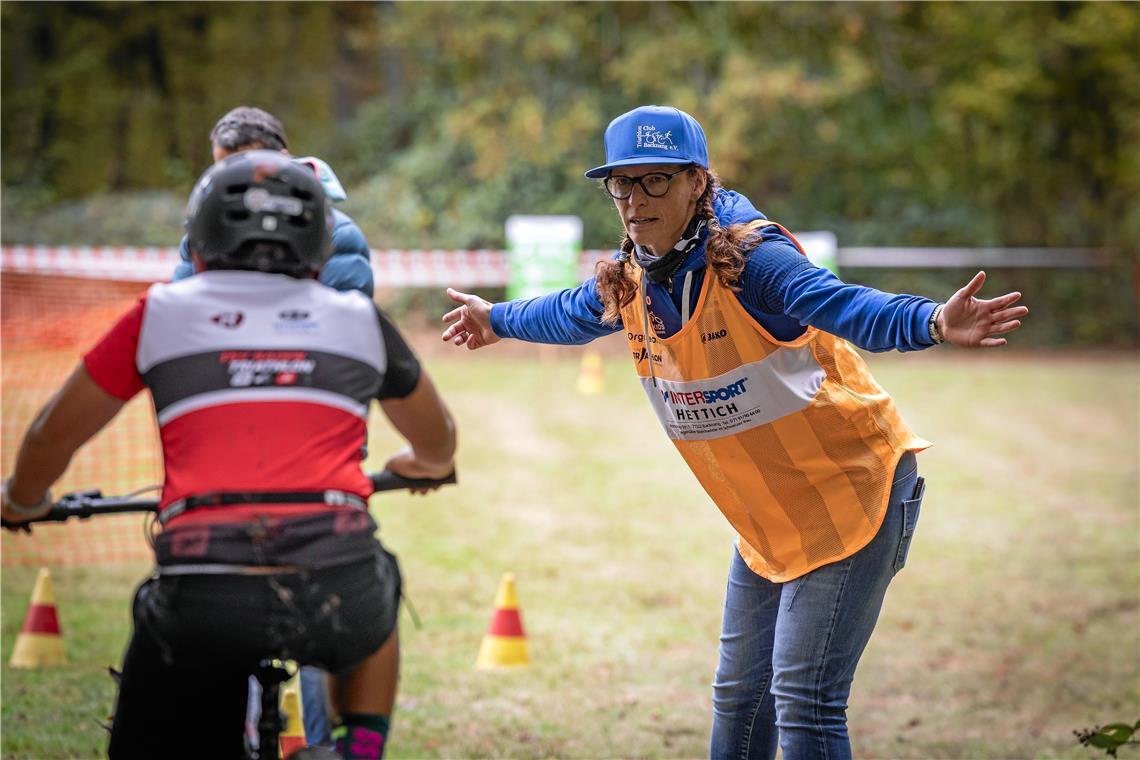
542 254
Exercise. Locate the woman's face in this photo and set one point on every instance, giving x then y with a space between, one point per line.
657 223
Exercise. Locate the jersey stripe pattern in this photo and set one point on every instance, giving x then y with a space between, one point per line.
794 441
260 382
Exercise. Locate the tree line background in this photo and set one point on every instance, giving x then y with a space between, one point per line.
893 124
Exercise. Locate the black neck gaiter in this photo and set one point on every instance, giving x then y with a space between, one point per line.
663 268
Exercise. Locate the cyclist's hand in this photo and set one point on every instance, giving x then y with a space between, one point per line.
17 527
15 521
17 517
406 464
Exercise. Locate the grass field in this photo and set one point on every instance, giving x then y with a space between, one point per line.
1016 620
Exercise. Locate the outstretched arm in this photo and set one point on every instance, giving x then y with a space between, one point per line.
71 418
568 317
974 322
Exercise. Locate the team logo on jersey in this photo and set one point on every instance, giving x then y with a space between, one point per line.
295 319
261 368
228 319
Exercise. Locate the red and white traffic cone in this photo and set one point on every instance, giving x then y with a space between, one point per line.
504 645
292 739
40 642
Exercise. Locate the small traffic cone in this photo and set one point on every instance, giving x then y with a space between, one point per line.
40 642
504 645
591 381
292 738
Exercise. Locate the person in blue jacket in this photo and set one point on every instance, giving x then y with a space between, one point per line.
348 268
773 411
248 128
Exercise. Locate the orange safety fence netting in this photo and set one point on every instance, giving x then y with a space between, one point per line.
47 322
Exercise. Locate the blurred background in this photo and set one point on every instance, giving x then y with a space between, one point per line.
889 124
1012 128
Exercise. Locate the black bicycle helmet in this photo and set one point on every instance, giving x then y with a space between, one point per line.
260 196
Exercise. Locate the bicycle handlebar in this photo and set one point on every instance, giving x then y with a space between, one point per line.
386 480
84 504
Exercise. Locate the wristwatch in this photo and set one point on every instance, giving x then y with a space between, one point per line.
21 510
932 326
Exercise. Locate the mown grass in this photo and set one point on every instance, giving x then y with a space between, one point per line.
1016 620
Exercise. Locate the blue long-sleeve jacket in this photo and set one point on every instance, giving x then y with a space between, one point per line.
348 268
779 287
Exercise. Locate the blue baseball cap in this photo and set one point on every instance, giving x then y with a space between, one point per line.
653 135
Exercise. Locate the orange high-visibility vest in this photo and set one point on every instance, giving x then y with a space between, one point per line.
794 441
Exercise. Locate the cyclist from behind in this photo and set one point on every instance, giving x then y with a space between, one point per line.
261 379
348 267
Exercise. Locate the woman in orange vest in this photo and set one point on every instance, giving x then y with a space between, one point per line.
744 349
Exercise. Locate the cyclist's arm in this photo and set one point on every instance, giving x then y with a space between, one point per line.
72 417
412 404
96 391
425 423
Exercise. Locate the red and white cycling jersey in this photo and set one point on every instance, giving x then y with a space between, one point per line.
261 382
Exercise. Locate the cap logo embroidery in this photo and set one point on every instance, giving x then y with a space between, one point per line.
648 136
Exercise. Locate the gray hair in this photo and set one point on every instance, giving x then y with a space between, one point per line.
246 126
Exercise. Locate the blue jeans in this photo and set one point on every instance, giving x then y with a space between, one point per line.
788 651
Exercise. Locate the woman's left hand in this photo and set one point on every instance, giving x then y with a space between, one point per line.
973 322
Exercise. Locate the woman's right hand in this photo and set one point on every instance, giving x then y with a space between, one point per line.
471 321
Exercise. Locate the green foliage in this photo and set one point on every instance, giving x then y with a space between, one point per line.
140 218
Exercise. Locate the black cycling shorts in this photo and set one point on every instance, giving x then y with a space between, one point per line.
197 638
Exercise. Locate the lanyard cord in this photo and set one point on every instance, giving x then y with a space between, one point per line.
685 294
648 327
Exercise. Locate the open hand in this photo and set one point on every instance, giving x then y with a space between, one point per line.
974 322
471 321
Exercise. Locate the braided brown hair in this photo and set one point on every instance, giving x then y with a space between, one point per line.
725 250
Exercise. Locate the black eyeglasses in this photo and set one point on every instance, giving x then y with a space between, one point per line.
655 184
